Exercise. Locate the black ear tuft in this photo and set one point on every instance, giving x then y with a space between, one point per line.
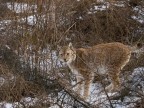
70 45
139 45
58 47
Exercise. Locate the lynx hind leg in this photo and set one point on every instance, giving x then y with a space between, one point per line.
115 80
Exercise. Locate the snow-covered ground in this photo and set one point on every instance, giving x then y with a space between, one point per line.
95 97
101 99
24 7
30 20
21 7
140 12
28 101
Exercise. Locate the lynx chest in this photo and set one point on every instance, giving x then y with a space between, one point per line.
75 71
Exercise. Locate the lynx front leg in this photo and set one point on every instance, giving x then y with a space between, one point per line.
79 85
87 85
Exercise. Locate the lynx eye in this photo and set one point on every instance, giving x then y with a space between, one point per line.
61 54
67 53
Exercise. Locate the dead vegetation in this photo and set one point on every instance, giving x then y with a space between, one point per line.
27 44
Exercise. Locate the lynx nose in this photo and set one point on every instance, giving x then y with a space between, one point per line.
65 60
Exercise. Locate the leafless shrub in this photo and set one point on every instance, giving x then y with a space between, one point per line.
31 68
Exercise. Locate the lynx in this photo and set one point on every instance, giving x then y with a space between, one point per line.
103 59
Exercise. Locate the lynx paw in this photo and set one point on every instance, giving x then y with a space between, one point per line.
86 98
111 88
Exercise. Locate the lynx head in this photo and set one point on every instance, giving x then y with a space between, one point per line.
67 54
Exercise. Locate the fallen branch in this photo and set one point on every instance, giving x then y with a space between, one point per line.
68 89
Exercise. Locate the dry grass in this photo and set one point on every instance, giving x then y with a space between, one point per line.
71 23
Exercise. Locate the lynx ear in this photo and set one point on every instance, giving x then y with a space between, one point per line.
70 45
58 47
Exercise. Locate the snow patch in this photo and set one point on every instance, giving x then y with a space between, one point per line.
140 16
21 7
10 105
30 20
